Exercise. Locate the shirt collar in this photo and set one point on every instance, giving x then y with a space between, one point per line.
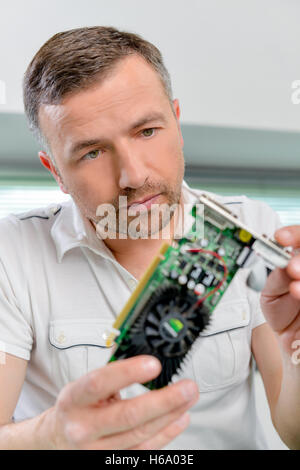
71 229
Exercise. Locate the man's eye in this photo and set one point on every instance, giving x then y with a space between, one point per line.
148 132
92 155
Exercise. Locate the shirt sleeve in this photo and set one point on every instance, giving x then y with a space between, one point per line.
16 335
257 317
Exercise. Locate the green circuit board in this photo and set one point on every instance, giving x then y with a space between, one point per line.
176 297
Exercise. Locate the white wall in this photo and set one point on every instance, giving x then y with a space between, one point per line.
232 62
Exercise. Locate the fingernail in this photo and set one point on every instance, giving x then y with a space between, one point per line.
183 420
189 391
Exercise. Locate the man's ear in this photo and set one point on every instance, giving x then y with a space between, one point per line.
47 163
177 113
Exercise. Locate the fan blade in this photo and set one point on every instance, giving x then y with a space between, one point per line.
168 348
149 331
172 301
151 318
193 325
157 342
182 348
160 309
176 347
189 338
184 306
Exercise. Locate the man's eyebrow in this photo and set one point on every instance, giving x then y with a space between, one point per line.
144 120
149 118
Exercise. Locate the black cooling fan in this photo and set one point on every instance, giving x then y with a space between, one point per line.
166 329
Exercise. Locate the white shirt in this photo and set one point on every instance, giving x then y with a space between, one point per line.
61 289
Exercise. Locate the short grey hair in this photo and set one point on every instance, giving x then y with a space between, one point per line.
73 60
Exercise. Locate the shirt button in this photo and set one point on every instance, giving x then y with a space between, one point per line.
61 338
54 209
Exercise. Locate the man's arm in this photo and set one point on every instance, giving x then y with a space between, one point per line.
273 344
24 435
12 375
89 414
266 352
281 380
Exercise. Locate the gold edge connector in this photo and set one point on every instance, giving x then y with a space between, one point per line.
143 281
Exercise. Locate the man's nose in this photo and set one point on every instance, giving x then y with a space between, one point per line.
132 169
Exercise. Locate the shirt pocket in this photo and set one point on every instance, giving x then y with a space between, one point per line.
77 347
221 355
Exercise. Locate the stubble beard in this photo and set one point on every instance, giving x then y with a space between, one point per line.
151 222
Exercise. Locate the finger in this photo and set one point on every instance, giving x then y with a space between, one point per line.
166 435
293 268
102 383
128 414
278 304
280 281
295 289
92 424
277 283
288 236
140 434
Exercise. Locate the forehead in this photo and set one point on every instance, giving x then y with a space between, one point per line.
133 87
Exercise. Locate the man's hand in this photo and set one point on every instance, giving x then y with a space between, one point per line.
89 413
280 299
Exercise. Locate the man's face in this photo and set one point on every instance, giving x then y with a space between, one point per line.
116 138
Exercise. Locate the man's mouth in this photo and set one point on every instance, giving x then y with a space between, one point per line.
147 202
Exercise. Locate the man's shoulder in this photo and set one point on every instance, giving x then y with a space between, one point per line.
16 225
238 200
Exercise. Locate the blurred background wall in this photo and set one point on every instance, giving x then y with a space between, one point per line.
232 66
232 63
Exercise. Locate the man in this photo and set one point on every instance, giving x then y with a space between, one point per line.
100 102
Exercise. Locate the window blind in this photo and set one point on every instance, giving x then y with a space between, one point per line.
284 200
18 197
